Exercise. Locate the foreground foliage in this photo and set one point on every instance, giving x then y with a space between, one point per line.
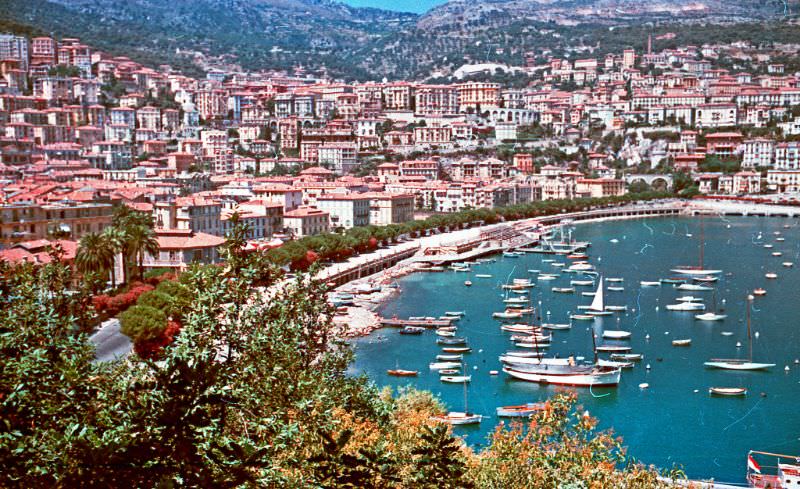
250 390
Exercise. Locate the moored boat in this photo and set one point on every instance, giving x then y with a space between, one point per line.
611 334
564 290
402 373
443 365
580 376
455 379
449 358
520 411
696 287
646 283
685 342
686 306
727 391
451 341
629 357
456 349
556 326
456 418
412 330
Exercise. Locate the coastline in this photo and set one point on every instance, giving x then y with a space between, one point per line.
361 318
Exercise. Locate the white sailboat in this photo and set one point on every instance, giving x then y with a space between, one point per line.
460 418
741 363
598 306
711 315
698 270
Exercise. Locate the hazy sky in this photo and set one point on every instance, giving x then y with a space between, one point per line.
418 6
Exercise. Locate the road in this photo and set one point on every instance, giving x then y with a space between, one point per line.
109 342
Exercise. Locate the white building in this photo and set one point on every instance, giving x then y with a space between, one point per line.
757 153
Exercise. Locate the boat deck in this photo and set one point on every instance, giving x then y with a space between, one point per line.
427 323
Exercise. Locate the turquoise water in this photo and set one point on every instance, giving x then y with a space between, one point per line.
667 424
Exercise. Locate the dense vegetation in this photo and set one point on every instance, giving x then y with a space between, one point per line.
359 44
251 391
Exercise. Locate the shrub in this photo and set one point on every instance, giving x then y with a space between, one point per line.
157 300
141 323
154 347
101 303
155 273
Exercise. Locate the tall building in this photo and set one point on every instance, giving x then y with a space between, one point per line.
16 48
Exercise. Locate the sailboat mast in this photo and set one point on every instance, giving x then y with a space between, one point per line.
466 408
702 239
749 335
594 345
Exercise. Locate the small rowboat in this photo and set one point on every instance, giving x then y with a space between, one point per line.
445 332
556 326
449 371
588 294
454 418
456 379
627 357
616 289
581 317
522 411
759 292
483 275
776 253
788 264
587 283
402 373
771 275
454 313
614 348
451 341
468 283
727 391
564 290
616 334
613 279
443 365
685 342
645 283
449 358
613 364
412 330
457 349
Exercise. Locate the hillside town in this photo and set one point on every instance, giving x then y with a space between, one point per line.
293 155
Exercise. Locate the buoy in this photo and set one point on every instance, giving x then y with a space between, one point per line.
474 367
492 372
756 334
797 361
738 344
763 394
666 332
647 337
647 367
786 368
644 385
696 391
656 308
659 359
480 351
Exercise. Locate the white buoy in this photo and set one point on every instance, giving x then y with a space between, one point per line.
786 368
656 308
756 334
666 332
480 351
797 361
644 385
474 367
696 391
647 366
647 337
738 344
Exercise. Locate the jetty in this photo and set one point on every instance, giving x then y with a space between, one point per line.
425 323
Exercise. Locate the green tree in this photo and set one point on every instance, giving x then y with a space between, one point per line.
94 255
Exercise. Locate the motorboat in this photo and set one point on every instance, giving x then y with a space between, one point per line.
727 391
710 316
616 289
564 290
443 365
695 287
689 298
402 373
556 326
613 348
451 341
686 306
412 330
684 342
611 334
456 418
449 358
455 379
614 364
628 357
646 283
507 315
579 375
521 411
771 275
581 317
587 283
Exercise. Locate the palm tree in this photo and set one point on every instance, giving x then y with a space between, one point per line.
140 240
94 255
115 239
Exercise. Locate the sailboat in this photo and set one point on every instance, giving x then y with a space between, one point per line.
460 418
598 307
740 363
698 270
711 315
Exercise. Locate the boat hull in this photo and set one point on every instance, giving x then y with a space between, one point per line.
603 378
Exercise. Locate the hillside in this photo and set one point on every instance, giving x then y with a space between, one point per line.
361 43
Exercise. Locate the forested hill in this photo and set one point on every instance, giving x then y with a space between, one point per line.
356 43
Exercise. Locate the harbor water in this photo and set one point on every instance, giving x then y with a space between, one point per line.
672 422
